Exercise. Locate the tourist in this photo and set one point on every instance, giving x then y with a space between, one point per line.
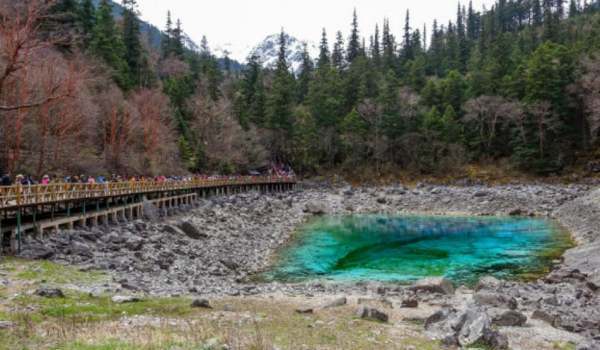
5 180
45 180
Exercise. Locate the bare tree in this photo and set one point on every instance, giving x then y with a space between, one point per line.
22 49
545 121
226 144
589 89
489 114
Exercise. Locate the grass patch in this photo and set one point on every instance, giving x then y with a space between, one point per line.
56 274
82 322
564 346
83 306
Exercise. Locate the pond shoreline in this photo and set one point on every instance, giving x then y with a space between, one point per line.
237 236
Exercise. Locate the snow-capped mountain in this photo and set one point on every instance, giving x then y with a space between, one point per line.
267 51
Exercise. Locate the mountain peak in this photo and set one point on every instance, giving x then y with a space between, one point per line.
267 51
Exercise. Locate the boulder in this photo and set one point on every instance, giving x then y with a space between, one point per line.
463 328
172 230
488 282
191 230
510 318
336 303
6 324
304 310
315 208
122 299
369 313
495 299
438 285
546 317
475 323
150 211
409 303
37 252
230 264
480 194
588 346
49 293
201 303
495 340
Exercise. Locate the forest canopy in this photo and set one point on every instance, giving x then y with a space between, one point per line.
83 90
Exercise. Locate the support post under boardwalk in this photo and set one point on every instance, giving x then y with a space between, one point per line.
19 231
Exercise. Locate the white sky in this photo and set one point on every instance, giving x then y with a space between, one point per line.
239 25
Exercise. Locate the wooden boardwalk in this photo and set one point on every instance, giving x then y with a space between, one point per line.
22 196
41 208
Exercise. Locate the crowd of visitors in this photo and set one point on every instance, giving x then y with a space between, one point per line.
279 170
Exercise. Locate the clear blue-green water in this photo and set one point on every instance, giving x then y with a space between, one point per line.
407 248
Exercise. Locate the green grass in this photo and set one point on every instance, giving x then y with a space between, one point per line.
49 272
564 346
91 308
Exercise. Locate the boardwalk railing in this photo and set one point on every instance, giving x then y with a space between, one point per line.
22 196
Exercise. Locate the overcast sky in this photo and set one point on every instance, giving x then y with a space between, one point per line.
238 25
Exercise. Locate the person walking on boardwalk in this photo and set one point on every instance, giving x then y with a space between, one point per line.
5 180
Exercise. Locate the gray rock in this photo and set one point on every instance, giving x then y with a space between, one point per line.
49 292
589 345
150 211
336 303
495 299
230 264
315 208
495 340
480 194
122 299
304 310
433 285
6 324
475 323
172 230
488 282
369 313
191 230
37 252
409 303
510 318
201 303
546 317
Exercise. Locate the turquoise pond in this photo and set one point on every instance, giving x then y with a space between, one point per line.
407 248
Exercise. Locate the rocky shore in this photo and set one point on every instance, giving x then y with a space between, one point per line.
217 248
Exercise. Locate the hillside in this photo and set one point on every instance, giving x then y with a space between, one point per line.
513 87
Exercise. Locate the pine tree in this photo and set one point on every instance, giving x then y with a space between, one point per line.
324 59
389 47
167 38
354 42
134 55
306 72
280 101
87 20
461 36
172 41
376 48
337 57
250 103
537 15
178 46
407 52
108 45
573 9
472 24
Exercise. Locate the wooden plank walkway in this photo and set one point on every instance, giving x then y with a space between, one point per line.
14 197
